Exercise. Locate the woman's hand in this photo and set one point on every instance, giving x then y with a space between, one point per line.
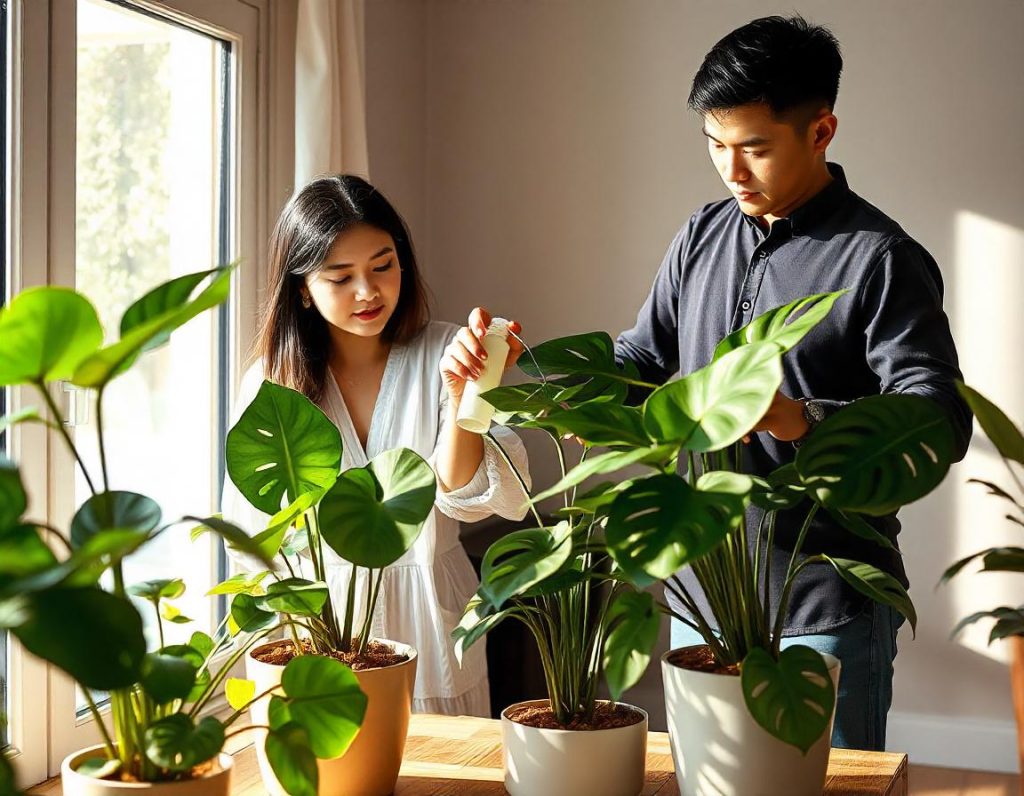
464 358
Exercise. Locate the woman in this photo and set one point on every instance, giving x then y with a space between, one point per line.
346 323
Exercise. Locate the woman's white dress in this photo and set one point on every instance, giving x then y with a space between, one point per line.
423 594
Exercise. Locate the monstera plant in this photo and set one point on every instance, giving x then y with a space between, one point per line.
63 594
689 507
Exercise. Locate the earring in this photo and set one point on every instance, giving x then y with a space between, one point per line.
306 302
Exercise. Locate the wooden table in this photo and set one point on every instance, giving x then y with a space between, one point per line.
459 756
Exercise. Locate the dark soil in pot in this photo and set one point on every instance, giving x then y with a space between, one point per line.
607 716
377 656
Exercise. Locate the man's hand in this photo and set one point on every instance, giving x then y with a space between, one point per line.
784 419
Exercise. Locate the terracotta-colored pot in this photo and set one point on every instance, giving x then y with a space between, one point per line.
215 783
1017 687
371 764
543 762
719 749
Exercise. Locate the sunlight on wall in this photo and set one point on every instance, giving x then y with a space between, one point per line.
989 321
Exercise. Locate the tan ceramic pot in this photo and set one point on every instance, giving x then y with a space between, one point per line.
543 762
216 783
371 764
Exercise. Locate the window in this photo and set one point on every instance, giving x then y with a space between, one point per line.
4 281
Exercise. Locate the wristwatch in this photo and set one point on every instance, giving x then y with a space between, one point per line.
813 413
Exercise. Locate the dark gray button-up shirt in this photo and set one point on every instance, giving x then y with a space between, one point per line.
889 334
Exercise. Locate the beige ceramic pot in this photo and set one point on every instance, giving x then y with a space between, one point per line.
719 749
216 783
542 762
371 764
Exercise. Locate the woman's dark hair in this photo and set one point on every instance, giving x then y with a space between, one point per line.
783 62
293 341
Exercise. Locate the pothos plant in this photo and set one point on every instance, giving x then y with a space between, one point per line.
64 595
284 456
1009 443
690 505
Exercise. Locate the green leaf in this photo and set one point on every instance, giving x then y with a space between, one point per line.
47 332
156 303
242 583
169 588
657 456
478 620
522 559
661 523
282 445
27 415
781 490
292 761
175 743
13 500
167 677
110 511
22 552
239 692
1006 436
998 491
876 584
294 596
172 613
8 781
597 423
236 538
783 326
859 526
590 354
877 454
271 539
195 653
634 622
201 643
322 695
100 367
529 399
792 698
717 405
248 617
373 515
94 636
95 767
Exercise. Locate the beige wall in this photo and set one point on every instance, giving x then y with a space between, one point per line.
543 154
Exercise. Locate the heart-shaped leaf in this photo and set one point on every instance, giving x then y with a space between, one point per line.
47 332
878 585
239 692
661 524
877 454
165 588
293 763
109 511
242 583
248 617
717 405
322 695
373 515
175 743
1007 438
294 596
522 559
633 622
783 326
792 698
195 654
282 445
167 677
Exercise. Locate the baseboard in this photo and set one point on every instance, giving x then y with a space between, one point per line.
954 742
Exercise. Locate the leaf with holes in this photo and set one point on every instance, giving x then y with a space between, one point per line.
522 559
661 523
717 405
877 454
633 624
282 445
792 698
878 585
783 326
657 456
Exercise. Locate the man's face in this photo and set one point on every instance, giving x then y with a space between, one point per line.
770 165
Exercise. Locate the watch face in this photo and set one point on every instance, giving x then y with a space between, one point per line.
814 412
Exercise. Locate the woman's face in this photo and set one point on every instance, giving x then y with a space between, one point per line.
356 288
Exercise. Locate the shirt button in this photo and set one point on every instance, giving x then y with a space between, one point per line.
745 305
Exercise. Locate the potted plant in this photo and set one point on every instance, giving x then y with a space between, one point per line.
1009 443
72 607
284 456
868 459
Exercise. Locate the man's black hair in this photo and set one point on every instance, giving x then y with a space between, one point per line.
783 62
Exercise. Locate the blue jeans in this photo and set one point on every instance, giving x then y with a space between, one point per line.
866 646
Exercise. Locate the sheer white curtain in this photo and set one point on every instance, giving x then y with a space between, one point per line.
330 90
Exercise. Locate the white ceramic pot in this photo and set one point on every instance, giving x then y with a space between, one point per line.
719 749
371 764
541 762
216 783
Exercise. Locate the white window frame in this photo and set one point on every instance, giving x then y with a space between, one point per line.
43 725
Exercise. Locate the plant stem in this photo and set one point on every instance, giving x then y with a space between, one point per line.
234 716
159 622
111 750
522 482
102 442
59 424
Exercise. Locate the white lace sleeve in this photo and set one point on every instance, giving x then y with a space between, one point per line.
494 488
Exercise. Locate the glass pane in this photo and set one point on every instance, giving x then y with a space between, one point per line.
150 130
4 287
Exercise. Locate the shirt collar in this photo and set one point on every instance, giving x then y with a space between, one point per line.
818 207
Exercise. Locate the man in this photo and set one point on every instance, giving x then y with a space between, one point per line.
793 227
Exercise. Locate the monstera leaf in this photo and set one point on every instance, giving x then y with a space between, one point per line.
633 623
783 326
283 444
877 454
